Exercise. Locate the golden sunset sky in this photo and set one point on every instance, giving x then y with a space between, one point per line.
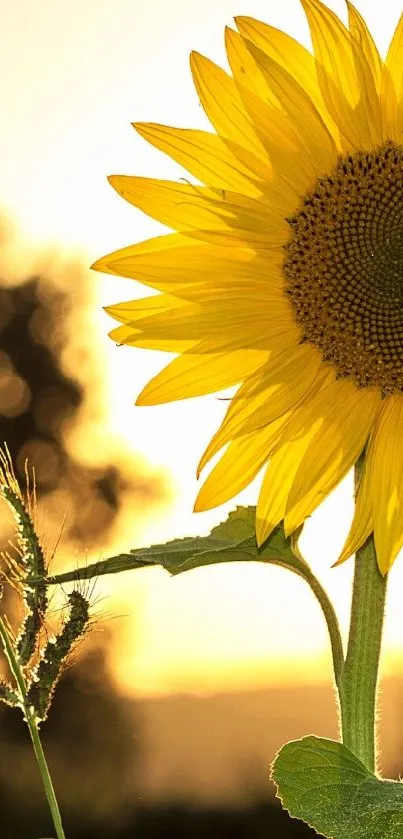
75 74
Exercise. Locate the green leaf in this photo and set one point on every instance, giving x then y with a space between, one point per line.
232 540
324 784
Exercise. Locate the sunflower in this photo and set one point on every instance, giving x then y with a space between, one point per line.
285 274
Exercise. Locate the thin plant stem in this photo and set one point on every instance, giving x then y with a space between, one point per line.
45 775
332 626
329 615
358 690
33 730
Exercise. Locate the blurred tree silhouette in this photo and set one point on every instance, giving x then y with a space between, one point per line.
90 736
38 400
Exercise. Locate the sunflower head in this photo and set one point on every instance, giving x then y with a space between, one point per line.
284 276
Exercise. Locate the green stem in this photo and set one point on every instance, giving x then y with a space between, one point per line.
33 730
328 613
358 690
332 626
45 775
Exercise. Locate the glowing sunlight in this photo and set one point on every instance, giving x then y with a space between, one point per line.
105 66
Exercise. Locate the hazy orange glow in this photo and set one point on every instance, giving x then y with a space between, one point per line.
66 125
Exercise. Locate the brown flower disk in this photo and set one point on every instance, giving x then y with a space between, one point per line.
344 267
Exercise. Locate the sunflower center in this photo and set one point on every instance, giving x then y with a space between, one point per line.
344 267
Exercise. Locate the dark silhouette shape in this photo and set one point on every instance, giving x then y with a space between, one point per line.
36 400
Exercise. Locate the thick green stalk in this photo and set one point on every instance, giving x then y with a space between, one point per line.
358 687
33 730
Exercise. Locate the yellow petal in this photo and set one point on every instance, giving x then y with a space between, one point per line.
284 463
333 52
268 292
288 156
175 262
223 105
291 163
391 114
144 307
257 403
304 118
347 421
238 466
277 482
336 71
212 316
394 59
125 336
277 387
392 85
246 71
366 43
173 259
225 218
149 246
368 68
385 465
202 323
290 55
248 338
362 525
194 375
273 431
206 156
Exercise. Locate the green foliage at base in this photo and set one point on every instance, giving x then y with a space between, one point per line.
324 784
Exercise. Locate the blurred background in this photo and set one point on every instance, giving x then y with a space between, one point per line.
178 700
